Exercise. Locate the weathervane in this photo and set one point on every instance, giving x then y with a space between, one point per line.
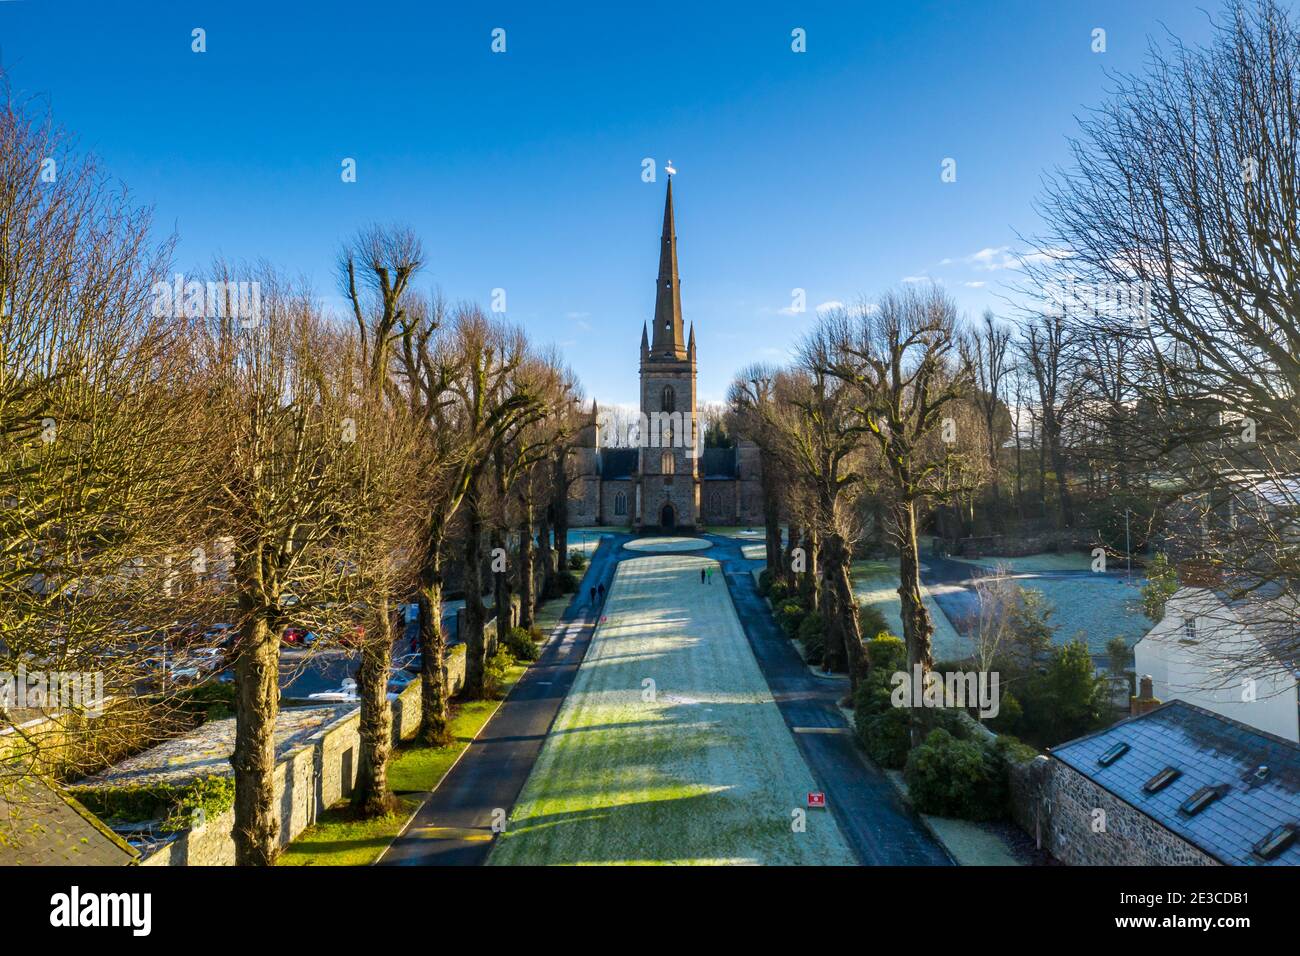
668 168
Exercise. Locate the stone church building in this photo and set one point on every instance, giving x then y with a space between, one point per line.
666 479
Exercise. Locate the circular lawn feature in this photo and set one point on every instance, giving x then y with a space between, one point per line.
667 545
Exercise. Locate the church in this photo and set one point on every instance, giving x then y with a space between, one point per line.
666 479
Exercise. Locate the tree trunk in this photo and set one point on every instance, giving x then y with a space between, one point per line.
1062 487
257 703
917 626
772 519
560 517
433 649
811 579
544 556
527 591
840 591
475 645
501 590
372 798
785 571
832 614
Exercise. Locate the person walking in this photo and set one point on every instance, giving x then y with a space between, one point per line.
601 591
593 597
710 575
702 576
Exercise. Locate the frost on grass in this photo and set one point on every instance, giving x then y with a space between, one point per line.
876 583
667 545
705 772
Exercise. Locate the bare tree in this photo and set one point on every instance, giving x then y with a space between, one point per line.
1180 205
901 360
278 476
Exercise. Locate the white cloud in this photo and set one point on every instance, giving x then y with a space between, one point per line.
828 306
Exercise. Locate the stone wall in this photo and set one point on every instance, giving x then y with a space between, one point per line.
718 502
1015 546
609 491
1058 807
316 775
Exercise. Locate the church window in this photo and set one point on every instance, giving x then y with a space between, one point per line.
667 465
670 400
620 504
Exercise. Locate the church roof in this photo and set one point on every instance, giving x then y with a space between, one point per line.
718 463
617 463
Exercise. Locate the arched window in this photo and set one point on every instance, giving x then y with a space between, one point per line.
667 465
715 503
670 400
620 504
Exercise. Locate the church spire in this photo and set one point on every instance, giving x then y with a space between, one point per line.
668 332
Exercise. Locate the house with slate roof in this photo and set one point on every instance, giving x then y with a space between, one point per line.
1177 785
1230 653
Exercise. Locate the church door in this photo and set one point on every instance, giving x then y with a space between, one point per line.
667 520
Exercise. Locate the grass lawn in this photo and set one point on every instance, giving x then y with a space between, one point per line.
876 583
754 552
1095 609
1067 561
735 532
548 615
337 839
696 767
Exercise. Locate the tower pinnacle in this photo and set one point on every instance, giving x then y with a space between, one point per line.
669 340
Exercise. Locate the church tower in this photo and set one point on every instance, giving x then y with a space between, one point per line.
668 483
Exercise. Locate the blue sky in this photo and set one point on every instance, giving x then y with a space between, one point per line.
523 170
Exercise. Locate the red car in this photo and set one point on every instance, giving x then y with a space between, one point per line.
294 635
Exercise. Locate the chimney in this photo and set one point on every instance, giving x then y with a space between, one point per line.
1146 699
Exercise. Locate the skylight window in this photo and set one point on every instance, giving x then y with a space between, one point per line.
1113 754
1161 780
1201 799
1277 840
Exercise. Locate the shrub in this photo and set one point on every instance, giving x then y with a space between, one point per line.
812 635
519 643
887 737
764 582
497 673
872 621
577 561
886 653
956 778
175 805
1162 582
778 591
1010 713
790 615
566 582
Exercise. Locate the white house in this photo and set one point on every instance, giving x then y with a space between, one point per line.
1233 656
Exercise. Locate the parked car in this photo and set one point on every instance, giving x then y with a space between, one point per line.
294 635
209 659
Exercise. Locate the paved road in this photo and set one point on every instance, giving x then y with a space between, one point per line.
882 831
454 825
